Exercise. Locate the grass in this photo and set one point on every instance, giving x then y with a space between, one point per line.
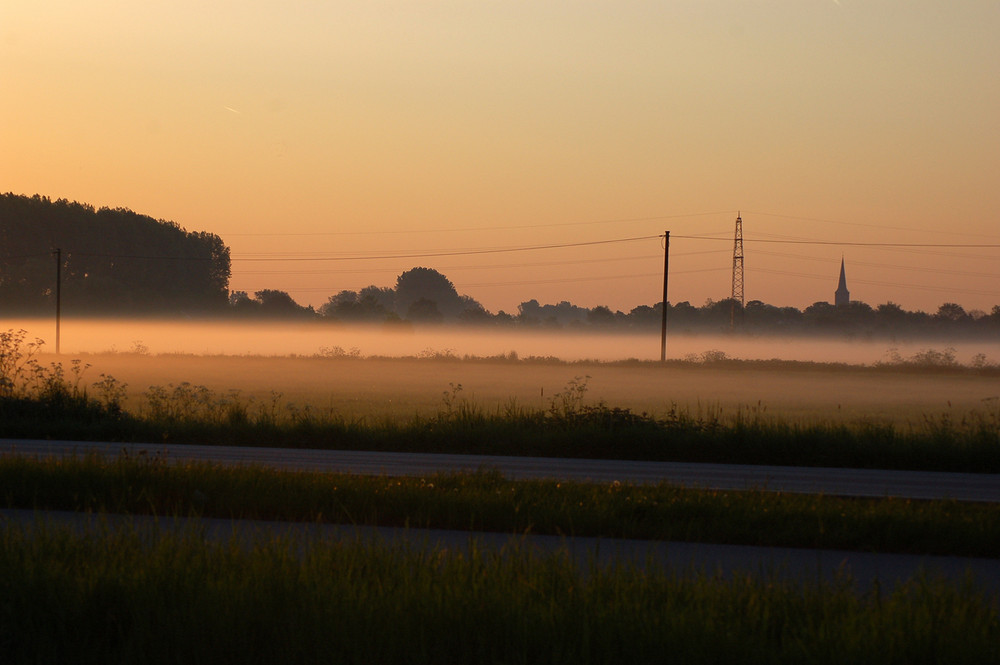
568 427
125 596
486 501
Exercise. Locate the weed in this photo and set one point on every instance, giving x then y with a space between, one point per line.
17 362
339 352
564 405
928 359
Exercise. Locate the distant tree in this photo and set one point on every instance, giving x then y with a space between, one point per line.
504 319
645 316
424 310
238 297
475 317
474 313
278 304
369 304
952 312
890 313
383 297
529 313
717 313
425 283
682 315
601 317
340 306
820 313
242 304
428 284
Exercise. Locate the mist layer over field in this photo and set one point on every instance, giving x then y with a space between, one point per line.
397 375
321 338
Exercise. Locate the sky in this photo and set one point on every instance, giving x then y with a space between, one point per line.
530 149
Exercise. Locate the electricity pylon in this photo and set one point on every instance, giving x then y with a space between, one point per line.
737 295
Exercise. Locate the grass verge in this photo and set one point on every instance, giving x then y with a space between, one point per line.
123 596
486 501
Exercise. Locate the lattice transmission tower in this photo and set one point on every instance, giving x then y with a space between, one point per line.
737 296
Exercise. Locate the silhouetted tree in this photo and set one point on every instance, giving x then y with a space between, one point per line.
952 312
428 284
601 317
278 304
113 260
424 310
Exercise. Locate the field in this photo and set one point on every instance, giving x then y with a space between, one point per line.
401 387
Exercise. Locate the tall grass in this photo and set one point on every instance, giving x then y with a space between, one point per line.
127 595
486 501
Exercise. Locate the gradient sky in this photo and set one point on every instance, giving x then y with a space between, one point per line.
349 130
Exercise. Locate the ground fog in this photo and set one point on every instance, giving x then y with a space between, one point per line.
399 388
323 338
370 373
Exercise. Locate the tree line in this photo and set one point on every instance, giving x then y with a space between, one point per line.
118 262
425 296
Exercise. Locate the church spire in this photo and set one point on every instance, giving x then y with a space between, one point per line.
842 295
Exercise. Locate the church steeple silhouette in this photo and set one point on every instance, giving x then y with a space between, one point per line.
842 295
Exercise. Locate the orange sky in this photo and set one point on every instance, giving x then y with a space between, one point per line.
341 131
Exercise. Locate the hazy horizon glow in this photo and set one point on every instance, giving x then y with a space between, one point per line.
272 339
318 135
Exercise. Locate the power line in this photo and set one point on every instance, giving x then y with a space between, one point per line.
898 285
889 266
478 266
469 252
144 258
840 243
559 280
512 227
872 226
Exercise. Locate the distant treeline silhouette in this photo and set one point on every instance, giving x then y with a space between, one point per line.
424 296
115 261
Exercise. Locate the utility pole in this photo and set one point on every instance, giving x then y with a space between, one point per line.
737 295
58 253
666 265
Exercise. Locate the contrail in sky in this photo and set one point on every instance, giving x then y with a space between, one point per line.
229 108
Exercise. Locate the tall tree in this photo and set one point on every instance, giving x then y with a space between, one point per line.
113 260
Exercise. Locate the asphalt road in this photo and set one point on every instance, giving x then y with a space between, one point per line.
979 487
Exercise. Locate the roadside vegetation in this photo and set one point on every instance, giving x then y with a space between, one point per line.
39 401
124 595
486 501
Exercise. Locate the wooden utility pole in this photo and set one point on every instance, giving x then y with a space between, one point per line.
58 253
666 265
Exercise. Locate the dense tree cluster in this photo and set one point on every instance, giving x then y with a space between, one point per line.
113 261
